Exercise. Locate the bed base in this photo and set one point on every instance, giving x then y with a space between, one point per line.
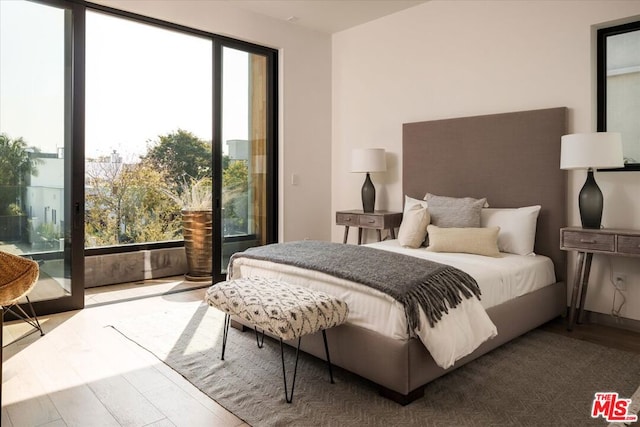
401 369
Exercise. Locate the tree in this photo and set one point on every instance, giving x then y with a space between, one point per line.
15 165
140 202
181 155
235 185
149 214
130 203
127 203
103 201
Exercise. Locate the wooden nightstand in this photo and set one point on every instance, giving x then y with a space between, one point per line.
378 220
587 242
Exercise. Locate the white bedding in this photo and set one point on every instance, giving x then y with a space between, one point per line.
500 279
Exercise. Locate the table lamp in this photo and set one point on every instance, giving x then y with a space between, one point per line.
368 160
591 151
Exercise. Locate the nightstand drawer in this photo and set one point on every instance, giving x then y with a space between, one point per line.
589 241
371 221
629 244
346 219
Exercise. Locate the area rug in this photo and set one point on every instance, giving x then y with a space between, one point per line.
539 379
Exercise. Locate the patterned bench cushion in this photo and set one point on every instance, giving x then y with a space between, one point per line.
285 310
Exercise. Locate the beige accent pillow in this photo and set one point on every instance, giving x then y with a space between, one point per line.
413 227
469 240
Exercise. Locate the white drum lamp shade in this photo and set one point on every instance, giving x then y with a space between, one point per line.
366 160
591 151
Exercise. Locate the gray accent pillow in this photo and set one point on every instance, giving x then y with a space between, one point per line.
455 211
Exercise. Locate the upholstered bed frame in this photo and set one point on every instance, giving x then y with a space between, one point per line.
513 159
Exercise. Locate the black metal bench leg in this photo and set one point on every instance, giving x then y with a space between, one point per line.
326 350
225 333
260 342
289 398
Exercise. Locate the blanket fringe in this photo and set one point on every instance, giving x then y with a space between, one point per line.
442 291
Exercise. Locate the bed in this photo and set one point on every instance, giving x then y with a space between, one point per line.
513 160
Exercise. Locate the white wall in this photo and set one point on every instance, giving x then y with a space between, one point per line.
305 101
447 59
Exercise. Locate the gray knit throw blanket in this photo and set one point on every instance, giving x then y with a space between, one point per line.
411 281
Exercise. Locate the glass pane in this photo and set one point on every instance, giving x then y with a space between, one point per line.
244 136
34 134
148 129
623 91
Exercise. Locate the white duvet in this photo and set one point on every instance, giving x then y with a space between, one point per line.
456 334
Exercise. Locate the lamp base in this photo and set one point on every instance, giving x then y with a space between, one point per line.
368 195
590 202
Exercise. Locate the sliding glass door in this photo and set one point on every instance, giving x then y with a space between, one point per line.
247 152
166 106
39 196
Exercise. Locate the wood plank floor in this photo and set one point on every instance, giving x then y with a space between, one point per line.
84 373
621 339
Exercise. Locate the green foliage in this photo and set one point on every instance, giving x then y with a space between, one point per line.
148 214
129 204
15 166
194 194
14 210
181 155
141 202
235 185
235 177
135 203
15 162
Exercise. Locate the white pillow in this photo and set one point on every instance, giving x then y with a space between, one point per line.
517 227
413 227
409 202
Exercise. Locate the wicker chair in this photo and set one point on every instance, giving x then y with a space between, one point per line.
18 276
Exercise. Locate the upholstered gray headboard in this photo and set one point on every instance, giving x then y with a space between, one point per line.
512 159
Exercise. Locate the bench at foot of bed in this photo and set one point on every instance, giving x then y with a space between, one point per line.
284 310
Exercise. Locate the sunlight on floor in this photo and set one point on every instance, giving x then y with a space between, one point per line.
84 371
136 290
189 329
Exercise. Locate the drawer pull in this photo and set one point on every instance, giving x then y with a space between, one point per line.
371 221
587 241
347 220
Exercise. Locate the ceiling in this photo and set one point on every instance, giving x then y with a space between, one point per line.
328 16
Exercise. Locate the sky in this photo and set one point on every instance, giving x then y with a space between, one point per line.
141 82
32 73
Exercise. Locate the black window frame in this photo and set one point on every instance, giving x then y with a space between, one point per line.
601 90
